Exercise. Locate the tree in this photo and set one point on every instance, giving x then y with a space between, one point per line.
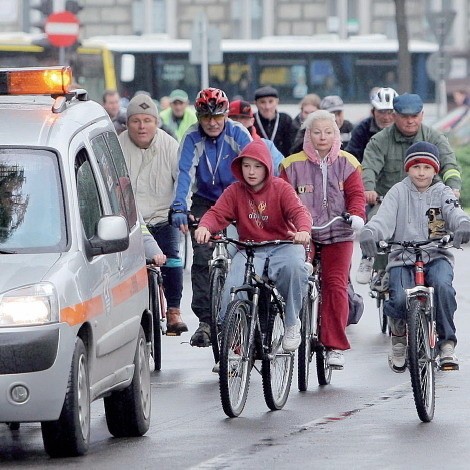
404 57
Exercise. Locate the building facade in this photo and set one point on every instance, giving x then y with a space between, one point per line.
257 18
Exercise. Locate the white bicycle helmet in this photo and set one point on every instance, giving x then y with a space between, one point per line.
384 98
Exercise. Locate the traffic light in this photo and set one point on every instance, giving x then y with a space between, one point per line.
39 10
73 6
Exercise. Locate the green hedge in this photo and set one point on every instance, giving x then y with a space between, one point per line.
463 157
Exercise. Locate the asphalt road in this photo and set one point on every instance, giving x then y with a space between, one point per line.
364 419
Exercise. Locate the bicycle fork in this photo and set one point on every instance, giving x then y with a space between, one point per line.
426 296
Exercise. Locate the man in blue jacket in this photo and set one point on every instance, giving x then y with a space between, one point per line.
205 154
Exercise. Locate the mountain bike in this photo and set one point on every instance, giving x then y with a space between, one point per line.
421 327
157 306
310 317
253 329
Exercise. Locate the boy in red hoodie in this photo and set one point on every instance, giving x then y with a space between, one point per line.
265 208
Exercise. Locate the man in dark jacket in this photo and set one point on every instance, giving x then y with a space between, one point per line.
269 122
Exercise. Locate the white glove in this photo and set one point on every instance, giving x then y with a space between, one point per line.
356 223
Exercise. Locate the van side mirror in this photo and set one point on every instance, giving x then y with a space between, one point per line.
111 236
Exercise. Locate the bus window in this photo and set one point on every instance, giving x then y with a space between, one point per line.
127 67
286 75
175 73
323 79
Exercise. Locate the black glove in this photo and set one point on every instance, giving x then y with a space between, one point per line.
462 234
368 244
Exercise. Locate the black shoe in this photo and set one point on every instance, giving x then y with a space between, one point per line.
201 338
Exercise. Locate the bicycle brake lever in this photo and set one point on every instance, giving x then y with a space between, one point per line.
446 239
382 244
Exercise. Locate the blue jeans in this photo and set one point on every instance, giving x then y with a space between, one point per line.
287 270
438 274
168 239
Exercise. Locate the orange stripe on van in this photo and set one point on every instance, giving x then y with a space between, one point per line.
84 311
129 287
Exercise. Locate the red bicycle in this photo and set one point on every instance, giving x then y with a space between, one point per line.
421 326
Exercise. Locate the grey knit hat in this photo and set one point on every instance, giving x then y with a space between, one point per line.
142 104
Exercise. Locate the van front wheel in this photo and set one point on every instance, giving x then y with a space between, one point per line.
69 436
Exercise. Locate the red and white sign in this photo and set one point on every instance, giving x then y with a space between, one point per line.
62 29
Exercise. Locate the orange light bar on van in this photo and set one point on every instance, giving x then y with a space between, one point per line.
35 81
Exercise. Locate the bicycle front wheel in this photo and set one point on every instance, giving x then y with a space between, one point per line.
235 358
155 308
216 282
305 353
277 366
421 361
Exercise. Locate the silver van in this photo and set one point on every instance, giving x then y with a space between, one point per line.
74 319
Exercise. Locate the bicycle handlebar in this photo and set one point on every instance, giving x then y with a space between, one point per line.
443 242
250 243
345 217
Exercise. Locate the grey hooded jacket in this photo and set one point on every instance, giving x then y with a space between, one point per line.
402 217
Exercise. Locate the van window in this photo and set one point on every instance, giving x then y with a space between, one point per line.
89 201
114 171
31 202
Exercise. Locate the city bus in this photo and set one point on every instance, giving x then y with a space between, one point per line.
294 65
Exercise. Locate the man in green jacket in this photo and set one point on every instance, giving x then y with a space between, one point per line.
385 153
179 117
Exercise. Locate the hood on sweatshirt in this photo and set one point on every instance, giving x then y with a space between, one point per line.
308 147
257 150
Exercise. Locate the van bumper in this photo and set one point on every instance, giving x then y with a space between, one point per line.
34 371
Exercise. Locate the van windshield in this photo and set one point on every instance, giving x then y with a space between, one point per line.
31 202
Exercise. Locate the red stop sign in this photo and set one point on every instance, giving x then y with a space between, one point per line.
62 29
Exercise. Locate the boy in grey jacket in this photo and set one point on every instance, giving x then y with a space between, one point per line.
405 215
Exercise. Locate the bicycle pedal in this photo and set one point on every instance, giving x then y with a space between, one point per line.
173 333
449 367
336 367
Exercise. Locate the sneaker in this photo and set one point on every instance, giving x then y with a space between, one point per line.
379 281
397 358
291 339
216 368
447 357
364 271
202 336
335 359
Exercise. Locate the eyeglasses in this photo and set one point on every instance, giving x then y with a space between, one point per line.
208 117
384 111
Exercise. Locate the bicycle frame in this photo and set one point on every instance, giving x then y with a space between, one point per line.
425 296
220 255
254 285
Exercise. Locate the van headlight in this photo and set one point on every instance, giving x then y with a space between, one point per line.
35 304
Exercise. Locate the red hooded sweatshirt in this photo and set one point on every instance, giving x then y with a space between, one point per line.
267 214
